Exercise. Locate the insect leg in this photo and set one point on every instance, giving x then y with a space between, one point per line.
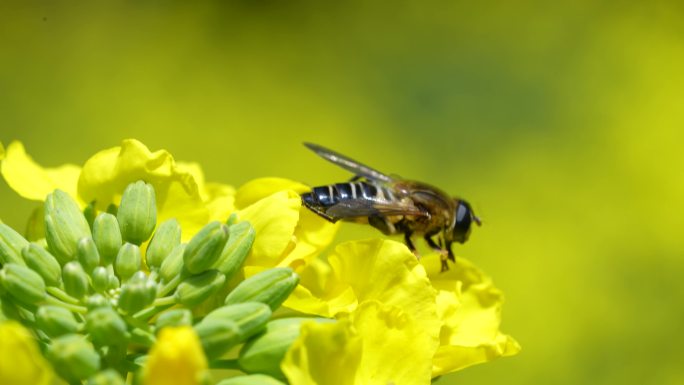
443 254
409 243
355 178
451 252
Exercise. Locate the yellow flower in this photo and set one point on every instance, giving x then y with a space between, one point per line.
20 360
176 358
180 187
460 308
470 308
391 306
378 344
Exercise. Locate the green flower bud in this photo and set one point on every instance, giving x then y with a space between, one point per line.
114 282
172 264
11 244
73 357
107 237
167 236
89 213
251 317
96 301
265 352
75 280
271 287
56 321
87 254
195 289
43 263
217 337
24 284
128 261
64 225
137 212
106 327
138 293
240 240
252 379
100 279
205 247
174 317
107 377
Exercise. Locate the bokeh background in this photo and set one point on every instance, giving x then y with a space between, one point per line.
561 122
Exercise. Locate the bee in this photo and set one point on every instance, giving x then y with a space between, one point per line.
392 205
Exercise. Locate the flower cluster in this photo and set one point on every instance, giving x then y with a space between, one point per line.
135 267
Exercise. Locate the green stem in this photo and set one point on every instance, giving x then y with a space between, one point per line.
164 301
68 306
61 295
146 314
170 286
225 364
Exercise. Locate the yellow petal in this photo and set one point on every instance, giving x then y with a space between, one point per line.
312 233
375 269
397 349
470 308
177 187
324 353
274 219
31 180
260 188
378 345
20 358
176 358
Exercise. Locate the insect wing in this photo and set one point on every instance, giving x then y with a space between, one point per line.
348 163
365 208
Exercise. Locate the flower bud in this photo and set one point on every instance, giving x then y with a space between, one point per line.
11 244
106 377
174 317
106 327
75 280
137 293
195 289
217 337
205 247
87 254
167 236
173 263
128 261
251 379
114 282
97 300
43 263
271 287
233 255
264 353
107 237
251 317
64 225
89 213
137 213
55 321
73 357
99 279
24 284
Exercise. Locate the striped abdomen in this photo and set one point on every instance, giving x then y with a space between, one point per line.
323 197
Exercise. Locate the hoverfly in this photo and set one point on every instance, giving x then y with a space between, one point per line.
392 205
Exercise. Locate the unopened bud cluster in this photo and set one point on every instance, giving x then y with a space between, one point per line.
98 287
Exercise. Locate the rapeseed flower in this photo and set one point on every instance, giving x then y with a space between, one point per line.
181 273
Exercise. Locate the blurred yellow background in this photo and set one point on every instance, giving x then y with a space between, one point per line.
561 123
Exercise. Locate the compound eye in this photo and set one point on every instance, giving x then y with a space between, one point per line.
464 219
